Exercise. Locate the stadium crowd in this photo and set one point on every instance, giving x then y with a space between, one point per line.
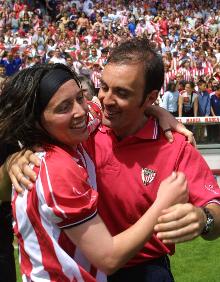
81 34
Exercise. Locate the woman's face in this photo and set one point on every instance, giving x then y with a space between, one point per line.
65 117
188 88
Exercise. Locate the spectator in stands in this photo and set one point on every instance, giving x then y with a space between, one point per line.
214 130
88 87
11 64
204 106
215 102
188 101
57 58
170 99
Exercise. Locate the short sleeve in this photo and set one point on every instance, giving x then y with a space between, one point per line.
202 185
94 117
67 197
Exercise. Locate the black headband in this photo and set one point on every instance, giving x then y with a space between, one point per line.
49 84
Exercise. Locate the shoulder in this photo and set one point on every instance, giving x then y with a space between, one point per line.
59 163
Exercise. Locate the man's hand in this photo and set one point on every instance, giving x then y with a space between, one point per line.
173 190
168 123
180 223
19 170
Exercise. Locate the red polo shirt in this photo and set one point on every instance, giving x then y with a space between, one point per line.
124 166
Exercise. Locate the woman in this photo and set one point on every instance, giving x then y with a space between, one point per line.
170 99
188 101
44 105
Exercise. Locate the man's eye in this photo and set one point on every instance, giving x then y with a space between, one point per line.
104 87
122 93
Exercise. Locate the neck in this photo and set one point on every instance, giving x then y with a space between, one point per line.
122 133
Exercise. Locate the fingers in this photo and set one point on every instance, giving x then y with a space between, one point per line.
170 178
173 213
184 131
16 184
21 173
28 172
178 177
34 159
181 223
181 235
169 136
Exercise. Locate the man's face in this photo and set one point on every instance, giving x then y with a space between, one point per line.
121 96
217 93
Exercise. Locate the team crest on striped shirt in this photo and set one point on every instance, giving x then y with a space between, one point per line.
147 175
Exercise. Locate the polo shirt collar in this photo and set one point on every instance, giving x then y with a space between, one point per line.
150 131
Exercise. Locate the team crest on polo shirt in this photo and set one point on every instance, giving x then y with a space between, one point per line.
147 175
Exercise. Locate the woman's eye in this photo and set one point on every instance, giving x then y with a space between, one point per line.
80 98
64 107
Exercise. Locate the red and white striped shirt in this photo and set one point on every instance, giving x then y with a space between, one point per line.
96 75
64 196
61 198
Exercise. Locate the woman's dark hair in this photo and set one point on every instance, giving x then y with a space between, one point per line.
19 120
191 83
171 86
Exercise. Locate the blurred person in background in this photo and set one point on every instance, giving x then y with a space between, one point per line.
170 99
188 101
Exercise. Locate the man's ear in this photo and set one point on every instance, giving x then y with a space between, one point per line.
151 97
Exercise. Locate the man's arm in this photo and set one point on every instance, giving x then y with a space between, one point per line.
184 222
20 172
167 121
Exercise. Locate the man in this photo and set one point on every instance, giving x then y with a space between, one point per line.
132 157
57 58
215 111
204 99
204 109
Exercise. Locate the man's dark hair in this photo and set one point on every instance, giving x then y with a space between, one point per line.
140 50
18 100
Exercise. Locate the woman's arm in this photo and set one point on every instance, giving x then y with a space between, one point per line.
180 106
195 106
5 184
110 253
